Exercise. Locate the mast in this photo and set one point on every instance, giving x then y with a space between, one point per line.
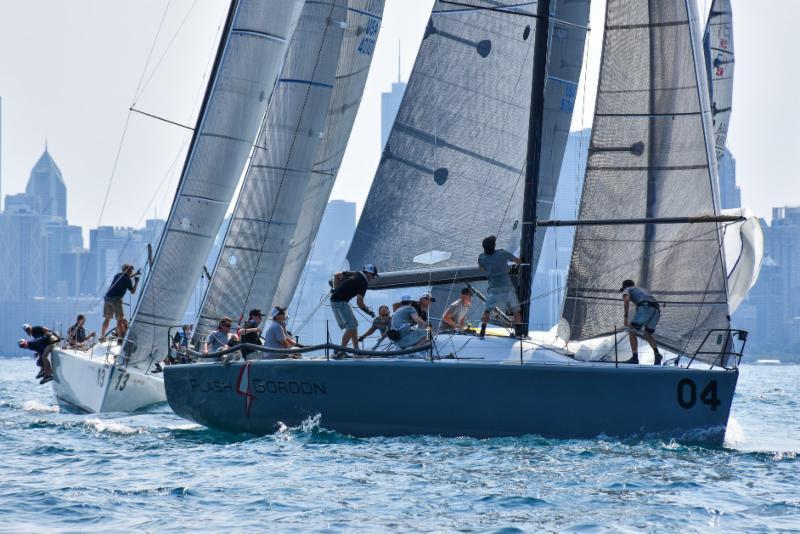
532 168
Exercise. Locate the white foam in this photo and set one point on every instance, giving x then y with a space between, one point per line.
111 427
40 407
734 434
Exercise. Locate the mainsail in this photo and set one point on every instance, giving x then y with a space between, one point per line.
265 215
452 171
363 25
718 48
650 156
251 52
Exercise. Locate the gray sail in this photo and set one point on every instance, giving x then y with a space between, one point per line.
251 52
650 155
265 216
452 171
718 47
363 25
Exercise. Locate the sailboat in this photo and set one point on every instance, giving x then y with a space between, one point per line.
477 145
115 375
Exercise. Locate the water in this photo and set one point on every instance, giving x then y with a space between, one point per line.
155 471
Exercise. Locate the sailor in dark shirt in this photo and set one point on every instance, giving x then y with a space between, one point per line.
42 342
76 335
124 281
251 333
347 285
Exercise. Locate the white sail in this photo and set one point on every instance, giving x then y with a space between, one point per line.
252 48
718 47
363 25
265 215
651 155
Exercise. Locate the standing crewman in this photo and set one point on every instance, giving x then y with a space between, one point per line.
501 291
648 312
124 281
347 285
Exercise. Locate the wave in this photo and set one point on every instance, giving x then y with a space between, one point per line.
40 407
112 427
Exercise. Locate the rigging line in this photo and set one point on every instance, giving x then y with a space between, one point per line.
498 9
291 149
162 119
142 87
136 93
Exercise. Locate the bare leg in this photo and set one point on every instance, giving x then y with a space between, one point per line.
106 321
121 328
484 322
47 369
634 342
518 324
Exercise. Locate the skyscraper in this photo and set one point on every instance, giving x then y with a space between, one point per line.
46 186
390 103
730 195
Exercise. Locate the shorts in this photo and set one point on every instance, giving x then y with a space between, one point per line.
504 298
344 315
411 336
646 316
113 308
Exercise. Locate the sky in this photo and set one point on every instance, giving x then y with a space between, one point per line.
70 71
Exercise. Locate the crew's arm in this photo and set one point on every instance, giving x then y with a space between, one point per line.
449 321
367 333
205 347
337 279
417 319
626 300
135 285
363 305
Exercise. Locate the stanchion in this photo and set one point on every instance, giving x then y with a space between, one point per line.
327 340
616 355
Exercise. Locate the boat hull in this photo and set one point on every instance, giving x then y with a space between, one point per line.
451 398
87 382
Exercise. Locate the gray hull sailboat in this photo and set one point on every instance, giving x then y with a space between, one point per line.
471 141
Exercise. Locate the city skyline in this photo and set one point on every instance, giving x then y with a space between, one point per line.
84 116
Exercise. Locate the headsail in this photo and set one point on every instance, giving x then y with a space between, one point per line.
265 215
718 47
452 171
650 156
251 52
363 25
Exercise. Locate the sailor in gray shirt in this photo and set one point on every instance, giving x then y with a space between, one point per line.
501 292
455 315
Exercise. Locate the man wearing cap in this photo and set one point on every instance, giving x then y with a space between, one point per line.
251 333
648 312
501 291
124 281
347 285
42 341
276 338
219 338
455 315
408 328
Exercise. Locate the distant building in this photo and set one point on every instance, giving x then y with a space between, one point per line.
729 193
46 187
390 104
335 234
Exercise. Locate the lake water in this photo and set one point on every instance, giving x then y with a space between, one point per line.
154 471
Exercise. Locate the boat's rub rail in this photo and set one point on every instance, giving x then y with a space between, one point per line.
327 347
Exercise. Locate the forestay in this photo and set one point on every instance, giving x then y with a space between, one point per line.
251 52
452 171
358 44
718 47
650 156
265 216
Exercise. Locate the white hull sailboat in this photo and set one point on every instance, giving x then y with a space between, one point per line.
92 381
248 61
479 165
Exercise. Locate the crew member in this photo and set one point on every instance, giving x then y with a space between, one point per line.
42 356
276 337
220 338
381 323
648 312
124 281
76 335
455 315
408 328
346 286
501 292
251 333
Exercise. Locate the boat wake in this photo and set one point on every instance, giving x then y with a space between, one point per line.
104 426
40 407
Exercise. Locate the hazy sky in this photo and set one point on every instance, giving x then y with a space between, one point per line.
69 71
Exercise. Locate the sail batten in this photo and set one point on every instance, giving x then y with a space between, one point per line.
248 62
652 119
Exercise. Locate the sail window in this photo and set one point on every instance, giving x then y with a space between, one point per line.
484 48
440 175
232 259
432 257
186 223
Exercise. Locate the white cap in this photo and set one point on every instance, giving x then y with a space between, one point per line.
427 295
406 298
276 311
26 327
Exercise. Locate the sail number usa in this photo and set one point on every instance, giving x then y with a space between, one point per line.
367 44
688 397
